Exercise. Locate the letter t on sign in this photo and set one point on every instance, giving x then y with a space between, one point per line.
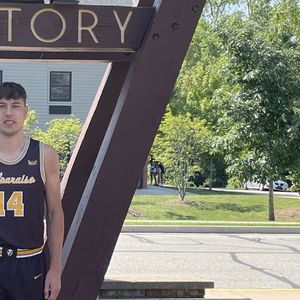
9 20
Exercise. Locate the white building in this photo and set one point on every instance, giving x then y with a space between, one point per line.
59 89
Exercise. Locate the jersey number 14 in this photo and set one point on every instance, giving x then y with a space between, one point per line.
15 203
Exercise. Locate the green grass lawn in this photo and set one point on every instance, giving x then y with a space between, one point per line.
206 207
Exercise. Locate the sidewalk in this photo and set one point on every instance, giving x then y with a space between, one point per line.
242 294
253 294
210 229
166 190
156 190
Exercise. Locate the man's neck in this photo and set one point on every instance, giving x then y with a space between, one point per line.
11 146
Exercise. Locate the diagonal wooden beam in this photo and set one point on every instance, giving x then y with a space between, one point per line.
90 139
92 134
134 123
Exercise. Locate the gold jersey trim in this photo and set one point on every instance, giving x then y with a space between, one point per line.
20 156
42 161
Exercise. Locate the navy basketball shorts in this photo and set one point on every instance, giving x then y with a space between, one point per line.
22 278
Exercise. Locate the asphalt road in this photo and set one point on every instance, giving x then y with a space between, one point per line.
230 260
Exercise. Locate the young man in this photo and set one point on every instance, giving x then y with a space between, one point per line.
29 187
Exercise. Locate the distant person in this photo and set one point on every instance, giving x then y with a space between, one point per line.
160 173
153 172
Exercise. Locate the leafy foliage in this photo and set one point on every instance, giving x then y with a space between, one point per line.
181 145
62 135
240 79
263 122
31 123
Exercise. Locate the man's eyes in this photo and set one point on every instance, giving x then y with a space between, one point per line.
13 105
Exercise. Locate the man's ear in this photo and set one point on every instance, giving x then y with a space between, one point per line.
26 109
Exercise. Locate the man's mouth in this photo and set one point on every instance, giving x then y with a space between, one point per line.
9 122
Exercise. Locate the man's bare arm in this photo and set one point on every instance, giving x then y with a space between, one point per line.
55 223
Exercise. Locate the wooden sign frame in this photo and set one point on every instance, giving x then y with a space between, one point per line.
116 138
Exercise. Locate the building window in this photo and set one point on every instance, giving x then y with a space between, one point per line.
60 110
60 86
1 76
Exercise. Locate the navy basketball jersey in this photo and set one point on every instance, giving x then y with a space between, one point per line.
22 198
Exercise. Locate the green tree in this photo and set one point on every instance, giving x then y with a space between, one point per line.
195 93
181 145
262 118
62 135
31 123
211 80
216 9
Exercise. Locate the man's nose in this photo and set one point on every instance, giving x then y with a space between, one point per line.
8 110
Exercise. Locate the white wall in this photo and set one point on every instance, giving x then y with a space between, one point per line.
35 77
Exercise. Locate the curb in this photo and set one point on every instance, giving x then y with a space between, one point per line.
209 229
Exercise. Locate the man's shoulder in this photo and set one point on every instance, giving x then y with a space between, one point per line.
48 150
51 159
47 147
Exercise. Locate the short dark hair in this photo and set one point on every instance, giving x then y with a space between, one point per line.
12 90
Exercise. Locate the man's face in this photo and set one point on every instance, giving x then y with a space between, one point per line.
12 115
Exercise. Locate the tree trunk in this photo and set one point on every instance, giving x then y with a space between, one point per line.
271 201
182 191
210 174
182 182
249 7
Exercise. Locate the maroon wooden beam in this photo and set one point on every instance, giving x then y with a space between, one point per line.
90 140
129 136
91 137
68 56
